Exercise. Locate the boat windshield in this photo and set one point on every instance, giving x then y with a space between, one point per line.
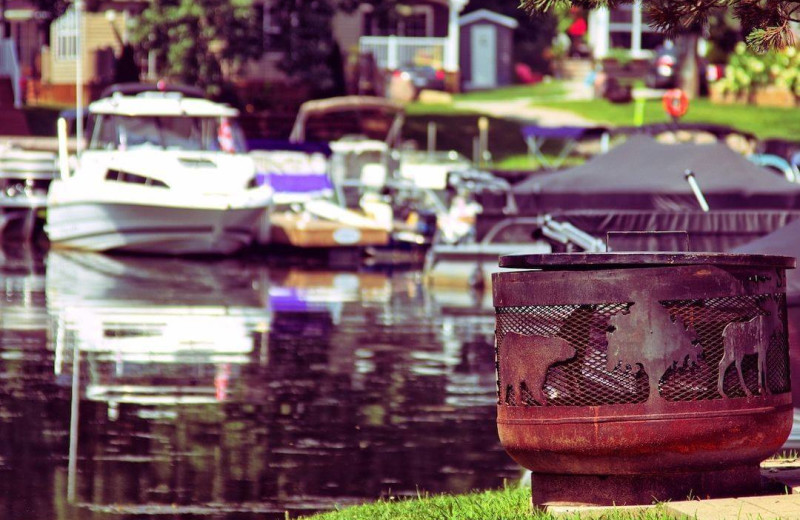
116 132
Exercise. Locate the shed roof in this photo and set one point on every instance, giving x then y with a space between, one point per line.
491 16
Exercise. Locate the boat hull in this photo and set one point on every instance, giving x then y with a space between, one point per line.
298 231
155 229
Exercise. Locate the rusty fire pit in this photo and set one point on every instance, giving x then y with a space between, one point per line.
625 378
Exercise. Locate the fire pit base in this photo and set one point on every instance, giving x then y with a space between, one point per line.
608 490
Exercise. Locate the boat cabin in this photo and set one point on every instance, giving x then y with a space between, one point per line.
166 119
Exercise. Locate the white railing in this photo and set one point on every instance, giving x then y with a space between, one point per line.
391 52
9 66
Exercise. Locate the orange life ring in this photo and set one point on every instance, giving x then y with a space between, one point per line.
676 102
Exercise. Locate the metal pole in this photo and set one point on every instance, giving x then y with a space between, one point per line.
63 147
72 467
483 133
689 175
78 77
431 137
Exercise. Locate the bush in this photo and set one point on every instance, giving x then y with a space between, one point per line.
747 71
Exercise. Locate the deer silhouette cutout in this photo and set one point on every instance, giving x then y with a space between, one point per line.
526 358
647 336
741 339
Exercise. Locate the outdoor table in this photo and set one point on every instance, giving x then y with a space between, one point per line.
566 137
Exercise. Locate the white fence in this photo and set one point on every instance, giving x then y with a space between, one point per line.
391 52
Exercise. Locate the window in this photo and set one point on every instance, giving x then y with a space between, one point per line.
411 20
114 132
66 36
415 25
629 28
417 21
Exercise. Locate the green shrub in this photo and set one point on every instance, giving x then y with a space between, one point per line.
748 71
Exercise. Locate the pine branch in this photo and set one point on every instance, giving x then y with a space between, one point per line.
765 22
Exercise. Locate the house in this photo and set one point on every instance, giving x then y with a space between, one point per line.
423 30
102 34
622 27
426 34
23 30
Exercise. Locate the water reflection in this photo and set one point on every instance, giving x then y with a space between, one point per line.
225 388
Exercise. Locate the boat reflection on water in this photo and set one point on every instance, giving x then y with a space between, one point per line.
223 388
153 331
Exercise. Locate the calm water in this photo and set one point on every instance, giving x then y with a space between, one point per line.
139 387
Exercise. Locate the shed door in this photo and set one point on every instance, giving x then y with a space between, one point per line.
483 50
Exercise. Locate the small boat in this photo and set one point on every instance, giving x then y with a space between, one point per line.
24 178
306 213
319 175
165 172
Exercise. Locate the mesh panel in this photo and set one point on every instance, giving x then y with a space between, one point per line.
708 318
586 380
778 376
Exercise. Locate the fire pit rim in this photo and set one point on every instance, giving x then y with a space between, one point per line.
624 260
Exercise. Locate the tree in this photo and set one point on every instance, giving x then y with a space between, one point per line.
309 53
766 23
54 8
200 42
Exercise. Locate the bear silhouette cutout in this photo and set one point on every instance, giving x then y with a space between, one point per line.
525 359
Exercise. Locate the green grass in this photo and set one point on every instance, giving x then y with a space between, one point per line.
763 122
528 163
504 504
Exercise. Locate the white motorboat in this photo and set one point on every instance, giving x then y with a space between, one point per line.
165 172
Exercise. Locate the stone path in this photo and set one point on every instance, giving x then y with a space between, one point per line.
521 109
784 506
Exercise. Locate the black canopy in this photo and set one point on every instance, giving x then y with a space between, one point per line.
784 241
642 174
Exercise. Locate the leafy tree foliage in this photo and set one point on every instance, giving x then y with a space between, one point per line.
765 22
200 42
54 8
309 53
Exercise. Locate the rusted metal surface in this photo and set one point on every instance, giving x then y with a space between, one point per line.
582 261
650 383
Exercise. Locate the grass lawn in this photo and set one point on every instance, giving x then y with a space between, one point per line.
763 122
505 504
457 127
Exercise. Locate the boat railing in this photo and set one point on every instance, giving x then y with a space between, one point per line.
560 232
